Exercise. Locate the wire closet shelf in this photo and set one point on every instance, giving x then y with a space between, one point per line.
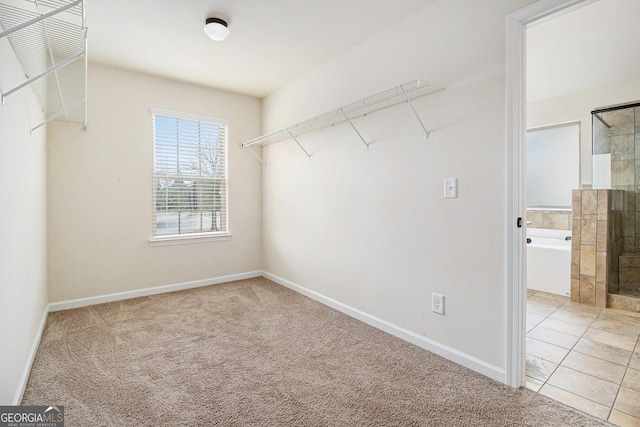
379 101
49 38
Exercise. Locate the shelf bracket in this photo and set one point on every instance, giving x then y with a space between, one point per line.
426 132
298 142
256 156
354 127
58 114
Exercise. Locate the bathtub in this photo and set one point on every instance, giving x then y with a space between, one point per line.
549 261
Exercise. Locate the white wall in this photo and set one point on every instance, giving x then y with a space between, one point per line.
370 228
100 184
578 106
23 245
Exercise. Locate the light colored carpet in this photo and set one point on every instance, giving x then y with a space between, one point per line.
255 353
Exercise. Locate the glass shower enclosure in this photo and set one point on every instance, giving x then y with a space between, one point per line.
616 166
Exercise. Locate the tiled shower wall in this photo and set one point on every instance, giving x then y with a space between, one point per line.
622 141
556 220
596 243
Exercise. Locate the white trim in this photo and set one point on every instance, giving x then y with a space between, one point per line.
449 353
184 239
188 116
555 125
83 302
515 265
22 384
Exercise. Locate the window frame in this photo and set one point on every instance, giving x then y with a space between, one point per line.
199 237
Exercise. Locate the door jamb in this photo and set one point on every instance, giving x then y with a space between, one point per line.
515 274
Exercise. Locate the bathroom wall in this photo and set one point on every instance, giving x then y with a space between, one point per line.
578 106
551 219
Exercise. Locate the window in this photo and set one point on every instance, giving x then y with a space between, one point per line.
553 165
189 175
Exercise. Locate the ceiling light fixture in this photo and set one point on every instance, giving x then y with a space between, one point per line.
217 29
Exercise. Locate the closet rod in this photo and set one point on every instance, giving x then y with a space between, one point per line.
42 74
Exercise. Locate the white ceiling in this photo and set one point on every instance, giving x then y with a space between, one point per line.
272 41
596 45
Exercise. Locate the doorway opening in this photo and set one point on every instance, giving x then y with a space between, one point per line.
588 329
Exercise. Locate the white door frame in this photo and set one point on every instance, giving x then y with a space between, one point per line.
516 125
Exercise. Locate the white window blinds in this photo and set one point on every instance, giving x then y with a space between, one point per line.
189 175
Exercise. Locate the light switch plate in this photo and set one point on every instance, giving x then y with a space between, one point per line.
450 188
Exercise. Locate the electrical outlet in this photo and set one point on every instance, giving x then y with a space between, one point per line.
437 303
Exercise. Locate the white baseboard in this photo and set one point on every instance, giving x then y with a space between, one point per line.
101 299
22 384
447 352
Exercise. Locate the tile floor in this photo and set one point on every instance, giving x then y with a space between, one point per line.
584 356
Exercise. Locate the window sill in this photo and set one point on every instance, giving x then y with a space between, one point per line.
181 240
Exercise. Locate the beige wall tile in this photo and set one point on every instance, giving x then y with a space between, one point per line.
622 303
622 172
618 197
602 236
629 195
601 267
588 230
575 264
612 285
601 294
555 221
587 289
575 290
534 219
629 223
587 260
576 203
629 244
575 234
589 202
604 204
622 147
629 278
634 262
